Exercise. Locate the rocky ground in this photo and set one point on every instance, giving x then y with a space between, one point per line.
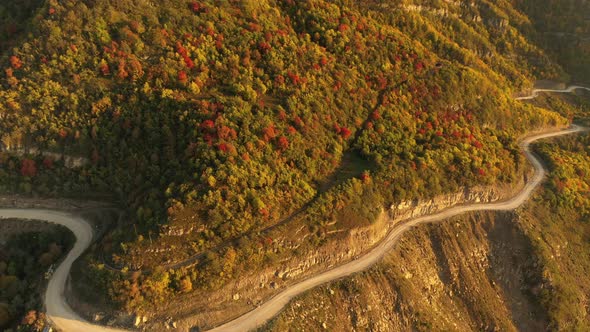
475 273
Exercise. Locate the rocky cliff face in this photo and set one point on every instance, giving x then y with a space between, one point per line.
360 240
416 208
476 273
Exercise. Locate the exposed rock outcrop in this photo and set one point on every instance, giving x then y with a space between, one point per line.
451 276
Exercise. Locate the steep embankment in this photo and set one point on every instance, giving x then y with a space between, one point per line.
470 273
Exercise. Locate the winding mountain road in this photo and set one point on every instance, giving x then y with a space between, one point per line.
64 318
535 92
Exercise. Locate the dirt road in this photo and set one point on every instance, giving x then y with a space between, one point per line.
535 93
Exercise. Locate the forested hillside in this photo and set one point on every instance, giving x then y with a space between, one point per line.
25 258
213 121
562 27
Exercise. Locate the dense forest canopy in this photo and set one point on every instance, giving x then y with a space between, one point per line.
25 258
223 118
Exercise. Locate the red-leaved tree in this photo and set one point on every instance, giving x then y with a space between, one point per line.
28 167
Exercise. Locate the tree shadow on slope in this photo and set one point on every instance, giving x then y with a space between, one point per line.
15 19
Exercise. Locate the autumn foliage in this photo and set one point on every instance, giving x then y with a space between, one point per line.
182 77
222 119
28 168
15 62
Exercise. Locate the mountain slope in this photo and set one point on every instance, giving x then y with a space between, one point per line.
239 134
466 274
563 29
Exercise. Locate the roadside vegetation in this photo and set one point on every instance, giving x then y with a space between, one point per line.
25 258
558 223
